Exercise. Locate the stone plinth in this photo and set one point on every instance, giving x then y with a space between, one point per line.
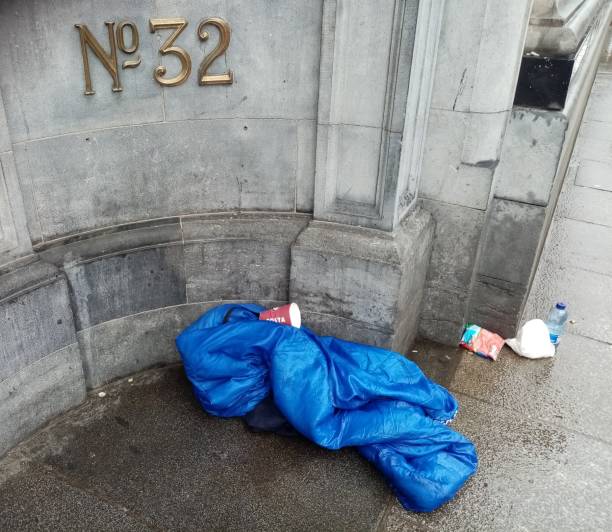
362 284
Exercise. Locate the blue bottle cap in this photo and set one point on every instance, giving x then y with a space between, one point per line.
561 306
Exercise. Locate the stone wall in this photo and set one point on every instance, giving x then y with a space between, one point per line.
85 162
124 214
478 62
354 145
89 309
492 170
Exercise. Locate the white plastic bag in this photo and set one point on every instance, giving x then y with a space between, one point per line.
532 341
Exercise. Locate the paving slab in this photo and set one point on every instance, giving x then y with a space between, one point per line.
569 390
532 476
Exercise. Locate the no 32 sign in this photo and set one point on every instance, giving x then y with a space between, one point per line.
117 39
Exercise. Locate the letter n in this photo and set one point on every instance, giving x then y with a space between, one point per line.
108 60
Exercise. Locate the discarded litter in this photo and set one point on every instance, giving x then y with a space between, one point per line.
102 395
287 315
482 342
335 393
130 379
532 341
556 322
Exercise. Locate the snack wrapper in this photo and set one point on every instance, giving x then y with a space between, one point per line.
482 342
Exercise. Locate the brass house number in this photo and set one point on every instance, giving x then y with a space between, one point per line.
117 39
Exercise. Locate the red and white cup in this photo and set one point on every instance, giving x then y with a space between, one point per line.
287 314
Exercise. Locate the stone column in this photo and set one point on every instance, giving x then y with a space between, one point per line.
358 270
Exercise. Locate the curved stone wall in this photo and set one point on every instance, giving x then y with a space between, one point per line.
105 304
153 151
125 214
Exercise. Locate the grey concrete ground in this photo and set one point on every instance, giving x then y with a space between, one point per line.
146 457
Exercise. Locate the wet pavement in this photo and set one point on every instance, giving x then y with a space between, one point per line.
147 457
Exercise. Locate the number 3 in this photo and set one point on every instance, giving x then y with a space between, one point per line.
224 40
167 24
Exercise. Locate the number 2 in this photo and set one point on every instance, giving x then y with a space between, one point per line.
224 40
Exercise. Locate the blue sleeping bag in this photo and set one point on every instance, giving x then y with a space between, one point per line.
335 393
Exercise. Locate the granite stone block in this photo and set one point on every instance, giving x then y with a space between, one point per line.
39 392
123 346
129 344
122 284
34 322
347 329
457 168
14 238
273 54
444 303
243 256
446 332
511 241
369 73
476 68
39 108
496 305
449 276
361 106
25 274
456 239
370 279
236 269
357 168
361 287
530 155
123 175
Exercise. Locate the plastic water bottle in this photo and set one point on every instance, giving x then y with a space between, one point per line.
556 322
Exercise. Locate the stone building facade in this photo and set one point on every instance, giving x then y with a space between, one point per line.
368 160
